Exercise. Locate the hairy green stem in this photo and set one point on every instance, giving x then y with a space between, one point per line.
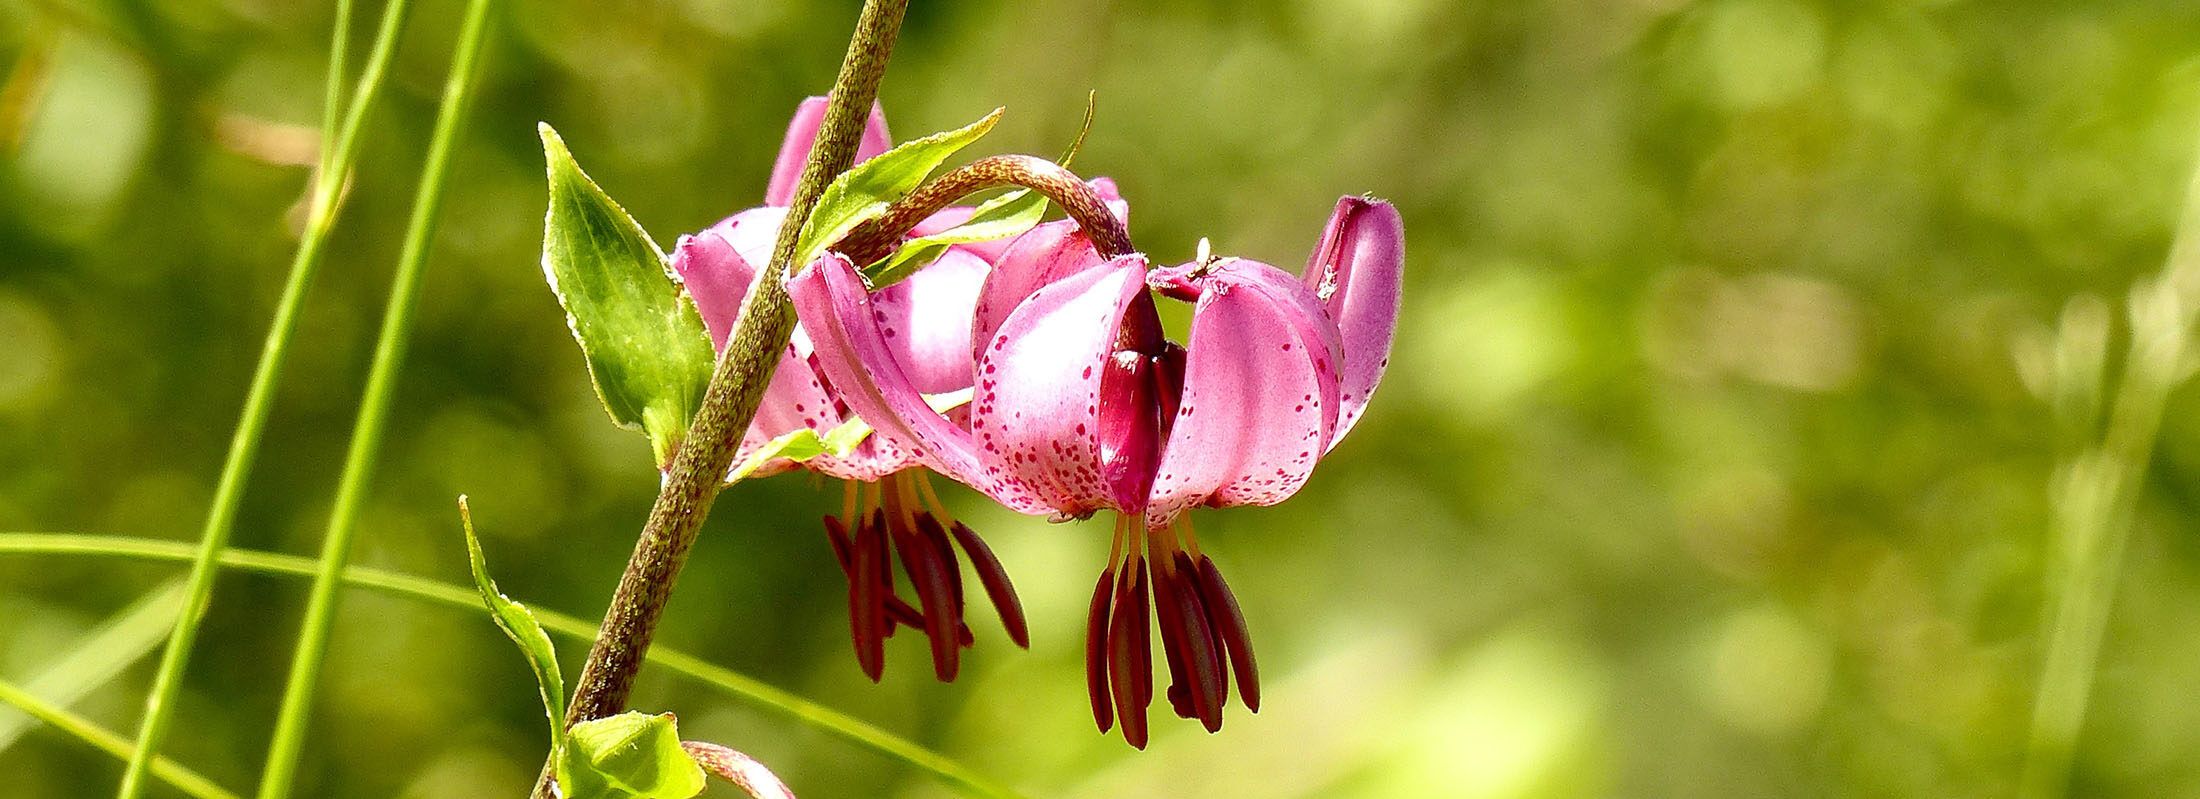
83 729
245 444
374 407
2098 499
876 238
464 598
729 403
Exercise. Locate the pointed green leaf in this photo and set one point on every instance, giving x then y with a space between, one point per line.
646 348
798 446
843 439
519 623
627 756
865 191
1001 217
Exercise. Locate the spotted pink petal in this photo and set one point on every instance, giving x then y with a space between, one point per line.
927 316
1036 412
853 352
802 135
1042 255
1356 271
1260 399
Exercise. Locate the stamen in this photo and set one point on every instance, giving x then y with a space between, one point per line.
1207 648
932 501
851 491
1130 653
866 608
929 576
1193 660
1223 613
1096 649
1183 526
836 534
995 580
928 528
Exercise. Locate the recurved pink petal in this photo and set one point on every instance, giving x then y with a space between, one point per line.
1036 412
802 136
1356 271
1260 393
1042 255
716 277
926 317
863 366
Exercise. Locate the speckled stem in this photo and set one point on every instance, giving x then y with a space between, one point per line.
729 403
872 240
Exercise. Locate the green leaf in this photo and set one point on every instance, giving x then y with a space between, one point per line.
802 445
519 623
1001 217
627 756
998 218
646 348
798 446
865 191
843 439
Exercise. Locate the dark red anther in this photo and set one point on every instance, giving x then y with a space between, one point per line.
936 536
866 604
1189 573
1181 695
1202 659
997 587
1223 613
1096 630
1096 650
929 576
1130 653
836 533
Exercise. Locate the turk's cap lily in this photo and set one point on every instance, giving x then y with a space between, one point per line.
1080 403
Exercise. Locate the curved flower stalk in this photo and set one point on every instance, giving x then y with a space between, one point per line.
890 507
1082 404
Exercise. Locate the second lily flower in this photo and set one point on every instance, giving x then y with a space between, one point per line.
1081 403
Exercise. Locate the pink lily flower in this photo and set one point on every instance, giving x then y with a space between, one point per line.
889 507
1082 404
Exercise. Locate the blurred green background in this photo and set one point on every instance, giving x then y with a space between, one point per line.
1707 464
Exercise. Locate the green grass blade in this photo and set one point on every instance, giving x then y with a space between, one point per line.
168 771
104 653
332 100
2096 506
390 347
244 445
452 595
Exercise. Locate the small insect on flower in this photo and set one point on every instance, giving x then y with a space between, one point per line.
889 510
1081 403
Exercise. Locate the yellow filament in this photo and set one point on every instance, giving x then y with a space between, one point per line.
932 499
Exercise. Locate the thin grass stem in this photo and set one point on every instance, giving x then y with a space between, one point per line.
244 446
464 599
390 348
183 779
